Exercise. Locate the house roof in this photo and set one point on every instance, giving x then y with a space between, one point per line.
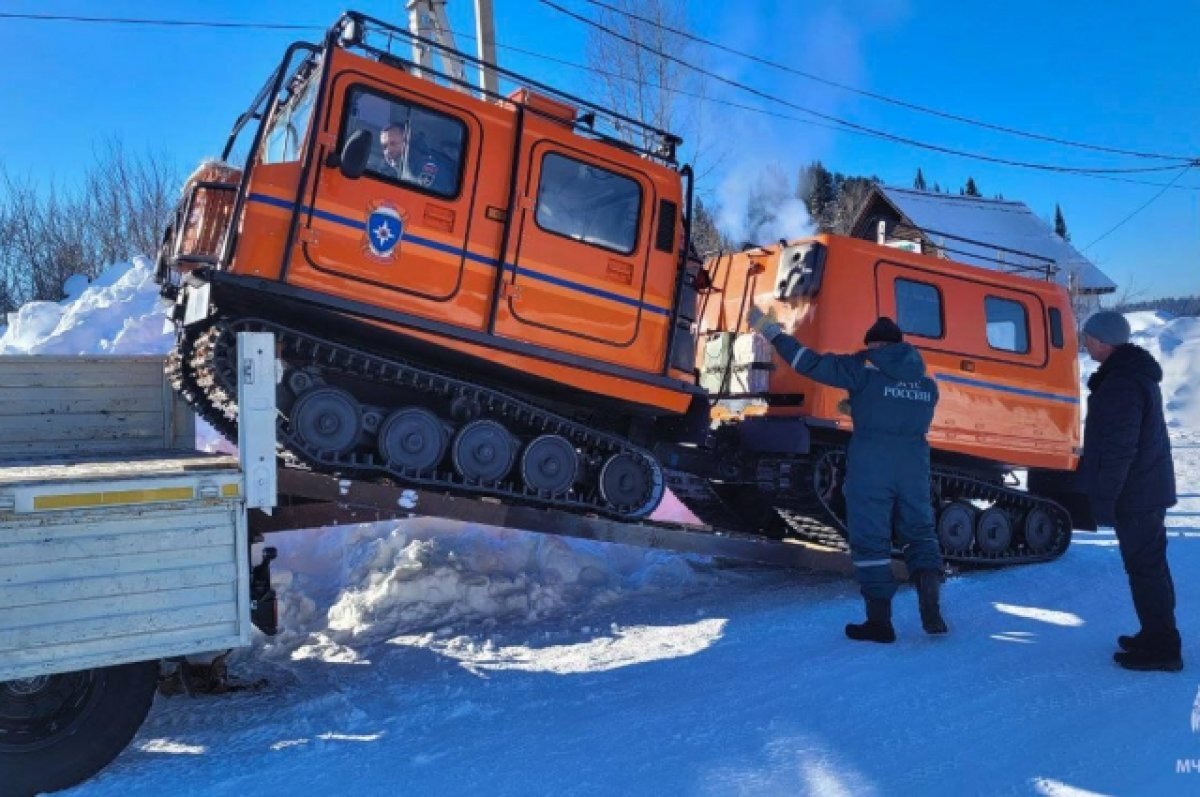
998 222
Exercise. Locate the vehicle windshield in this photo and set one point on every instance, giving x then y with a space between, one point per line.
284 138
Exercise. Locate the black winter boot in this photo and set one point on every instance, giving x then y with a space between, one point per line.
878 627
1157 651
929 584
1135 642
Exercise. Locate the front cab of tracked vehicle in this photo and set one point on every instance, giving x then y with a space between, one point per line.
511 236
452 278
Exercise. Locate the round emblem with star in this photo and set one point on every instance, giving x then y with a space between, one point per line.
384 231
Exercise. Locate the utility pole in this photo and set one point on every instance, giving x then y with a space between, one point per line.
427 19
485 47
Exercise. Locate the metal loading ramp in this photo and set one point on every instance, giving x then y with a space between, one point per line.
312 500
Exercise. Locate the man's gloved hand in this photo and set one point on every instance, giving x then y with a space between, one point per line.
764 324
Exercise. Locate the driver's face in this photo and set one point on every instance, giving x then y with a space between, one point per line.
392 141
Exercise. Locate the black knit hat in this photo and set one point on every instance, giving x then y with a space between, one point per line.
883 331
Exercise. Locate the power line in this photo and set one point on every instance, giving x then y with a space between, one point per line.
854 125
159 22
883 97
282 26
837 124
173 23
766 112
1139 209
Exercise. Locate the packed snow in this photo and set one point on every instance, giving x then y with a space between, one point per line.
119 312
429 657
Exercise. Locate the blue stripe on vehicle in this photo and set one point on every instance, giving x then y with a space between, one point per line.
616 297
358 224
1020 391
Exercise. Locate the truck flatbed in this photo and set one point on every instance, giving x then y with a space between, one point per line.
30 471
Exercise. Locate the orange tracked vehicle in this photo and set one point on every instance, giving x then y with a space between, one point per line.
492 296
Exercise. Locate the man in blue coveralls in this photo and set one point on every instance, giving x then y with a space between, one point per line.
891 404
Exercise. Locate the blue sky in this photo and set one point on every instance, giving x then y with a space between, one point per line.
1097 72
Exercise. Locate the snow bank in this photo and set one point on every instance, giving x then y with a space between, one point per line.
346 589
120 312
1175 343
1143 320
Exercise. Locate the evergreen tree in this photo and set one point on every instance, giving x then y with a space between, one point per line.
851 192
937 188
1060 224
970 189
706 237
816 190
1175 305
919 181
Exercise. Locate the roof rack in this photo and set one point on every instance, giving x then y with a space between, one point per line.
357 31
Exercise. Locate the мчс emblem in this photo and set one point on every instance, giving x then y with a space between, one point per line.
384 229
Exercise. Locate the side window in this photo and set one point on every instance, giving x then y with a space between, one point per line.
1056 328
919 308
412 145
286 134
589 204
1007 325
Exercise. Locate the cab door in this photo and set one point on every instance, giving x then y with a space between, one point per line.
393 238
575 274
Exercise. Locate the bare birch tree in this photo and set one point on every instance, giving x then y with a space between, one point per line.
116 210
637 76
633 77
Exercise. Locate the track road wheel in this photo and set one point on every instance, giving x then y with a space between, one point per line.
484 451
956 527
631 484
59 730
412 438
1040 530
328 419
993 531
550 464
829 476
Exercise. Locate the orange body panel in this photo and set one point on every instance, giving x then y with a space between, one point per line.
1020 409
556 293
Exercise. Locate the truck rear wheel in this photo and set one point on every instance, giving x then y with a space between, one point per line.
58 730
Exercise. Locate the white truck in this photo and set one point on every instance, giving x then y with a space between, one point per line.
120 546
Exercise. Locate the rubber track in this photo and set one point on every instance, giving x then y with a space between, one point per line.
205 379
209 373
809 518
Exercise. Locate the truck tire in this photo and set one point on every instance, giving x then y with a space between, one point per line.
59 730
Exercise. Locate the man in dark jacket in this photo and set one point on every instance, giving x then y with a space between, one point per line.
887 470
1127 473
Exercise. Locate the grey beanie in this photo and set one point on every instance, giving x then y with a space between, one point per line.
1108 327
